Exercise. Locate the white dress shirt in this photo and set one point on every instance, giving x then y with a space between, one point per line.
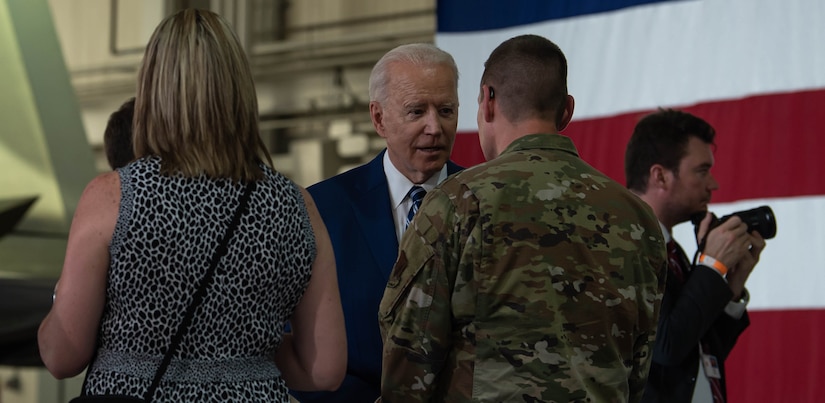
399 186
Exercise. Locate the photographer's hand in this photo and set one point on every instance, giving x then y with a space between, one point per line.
727 242
738 274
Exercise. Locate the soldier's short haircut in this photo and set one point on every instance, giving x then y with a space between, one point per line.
529 76
661 138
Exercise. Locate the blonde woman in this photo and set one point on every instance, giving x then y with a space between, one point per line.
143 236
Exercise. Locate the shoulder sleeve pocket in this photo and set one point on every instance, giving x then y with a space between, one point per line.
408 296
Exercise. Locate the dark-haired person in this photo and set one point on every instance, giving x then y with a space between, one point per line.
143 237
667 163
531 277
117 138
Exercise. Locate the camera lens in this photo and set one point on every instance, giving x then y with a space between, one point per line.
760 219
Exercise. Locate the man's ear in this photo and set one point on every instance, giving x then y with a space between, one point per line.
660 177
569 104
377 117
486 105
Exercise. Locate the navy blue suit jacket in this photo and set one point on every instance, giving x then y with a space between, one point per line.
356 210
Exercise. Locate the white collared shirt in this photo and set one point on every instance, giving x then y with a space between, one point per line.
399 186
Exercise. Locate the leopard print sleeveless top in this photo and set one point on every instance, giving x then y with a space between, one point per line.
167 230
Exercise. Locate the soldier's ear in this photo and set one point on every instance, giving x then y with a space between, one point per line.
486 107
567 113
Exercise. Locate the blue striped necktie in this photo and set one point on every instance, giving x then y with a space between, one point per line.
416 195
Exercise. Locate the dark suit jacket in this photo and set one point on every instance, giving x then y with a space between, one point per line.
691 311
355 206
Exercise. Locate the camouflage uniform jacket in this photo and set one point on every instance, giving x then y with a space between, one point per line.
532 277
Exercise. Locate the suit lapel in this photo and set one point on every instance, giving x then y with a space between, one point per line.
374 214
453 167
375 217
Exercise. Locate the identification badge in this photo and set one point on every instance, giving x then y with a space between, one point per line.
711 366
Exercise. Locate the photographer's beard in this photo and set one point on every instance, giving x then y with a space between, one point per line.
687 199
682 209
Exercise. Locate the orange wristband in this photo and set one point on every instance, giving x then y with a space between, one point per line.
711 262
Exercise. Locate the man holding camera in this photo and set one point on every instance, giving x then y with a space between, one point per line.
667 164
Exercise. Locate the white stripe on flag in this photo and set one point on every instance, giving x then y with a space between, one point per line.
666 54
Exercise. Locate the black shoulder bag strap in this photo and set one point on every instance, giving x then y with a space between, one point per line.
201 292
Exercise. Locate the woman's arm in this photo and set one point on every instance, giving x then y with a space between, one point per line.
314 355
68 334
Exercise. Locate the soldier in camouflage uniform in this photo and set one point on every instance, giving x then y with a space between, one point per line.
529 278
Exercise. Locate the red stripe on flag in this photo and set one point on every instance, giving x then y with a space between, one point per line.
767 145
466 150
778 358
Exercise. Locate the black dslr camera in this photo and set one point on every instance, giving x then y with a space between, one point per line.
760 219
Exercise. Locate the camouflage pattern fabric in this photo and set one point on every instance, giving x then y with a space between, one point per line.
530 278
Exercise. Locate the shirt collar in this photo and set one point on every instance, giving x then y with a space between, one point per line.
543 140
399 185
665 233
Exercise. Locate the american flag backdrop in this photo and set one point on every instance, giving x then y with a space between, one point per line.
755 70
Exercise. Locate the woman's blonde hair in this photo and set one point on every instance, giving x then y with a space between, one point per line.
196 105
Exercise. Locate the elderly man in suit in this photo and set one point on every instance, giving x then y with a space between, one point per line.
414 106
